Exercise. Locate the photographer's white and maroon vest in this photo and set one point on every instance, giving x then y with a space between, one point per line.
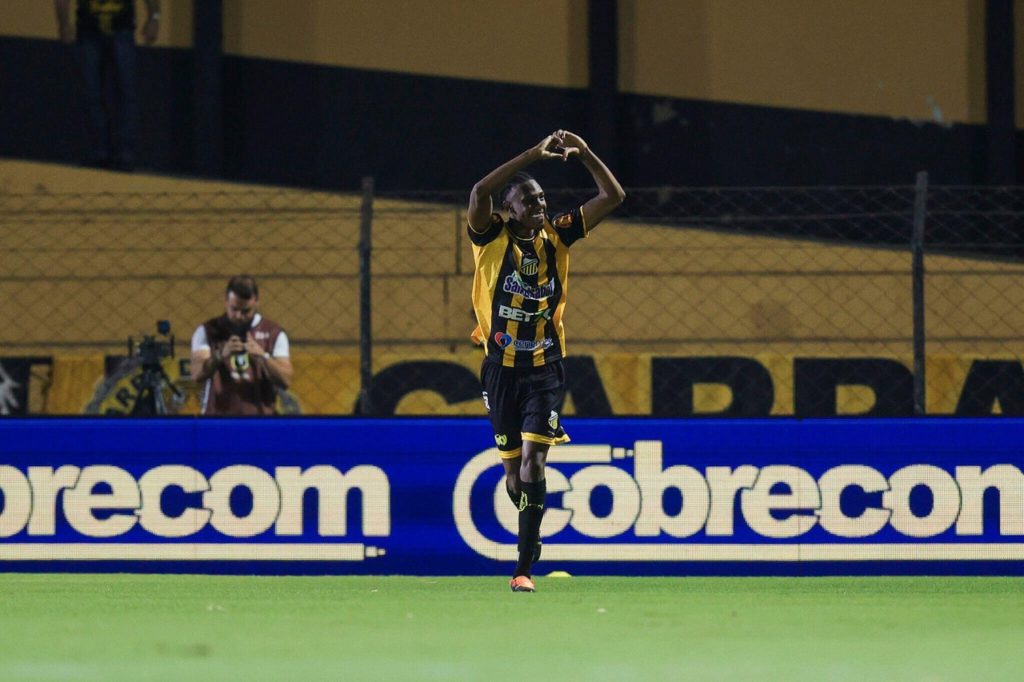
249 394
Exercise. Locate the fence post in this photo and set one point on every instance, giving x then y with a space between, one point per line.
917 275
365 319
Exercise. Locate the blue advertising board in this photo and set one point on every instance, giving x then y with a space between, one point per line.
426 497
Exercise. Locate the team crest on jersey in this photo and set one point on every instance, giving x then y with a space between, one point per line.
564 220
553 420
529 266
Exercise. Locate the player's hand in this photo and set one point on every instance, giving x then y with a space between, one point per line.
551 148
253 348
570 142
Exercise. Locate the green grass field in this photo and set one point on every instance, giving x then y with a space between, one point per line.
144 627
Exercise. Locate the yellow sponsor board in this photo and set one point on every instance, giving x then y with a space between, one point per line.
602 384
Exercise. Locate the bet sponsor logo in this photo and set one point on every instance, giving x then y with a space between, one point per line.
520 315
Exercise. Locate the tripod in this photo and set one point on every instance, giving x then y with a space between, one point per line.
150 384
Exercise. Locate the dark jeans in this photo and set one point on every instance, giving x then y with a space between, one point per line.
109 95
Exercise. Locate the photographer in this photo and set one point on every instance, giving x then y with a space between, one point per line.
241 356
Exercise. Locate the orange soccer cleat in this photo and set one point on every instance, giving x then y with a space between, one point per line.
522 583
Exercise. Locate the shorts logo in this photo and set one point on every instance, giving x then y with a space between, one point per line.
487 403
502 339
529 266
501 439
564 220
553 420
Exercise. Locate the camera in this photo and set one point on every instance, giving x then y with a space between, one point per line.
151 351
153 380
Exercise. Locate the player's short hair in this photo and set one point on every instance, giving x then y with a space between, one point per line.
518 179
242 286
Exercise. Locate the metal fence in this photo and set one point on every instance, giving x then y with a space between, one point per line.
687 301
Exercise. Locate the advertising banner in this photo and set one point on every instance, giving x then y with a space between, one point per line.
760 384
15 373
426 497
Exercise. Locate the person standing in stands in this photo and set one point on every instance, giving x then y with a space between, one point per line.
104 33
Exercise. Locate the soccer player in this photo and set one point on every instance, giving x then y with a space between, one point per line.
519 292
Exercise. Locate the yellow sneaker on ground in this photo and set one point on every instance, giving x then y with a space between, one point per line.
522 583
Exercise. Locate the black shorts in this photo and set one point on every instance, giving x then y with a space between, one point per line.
524 404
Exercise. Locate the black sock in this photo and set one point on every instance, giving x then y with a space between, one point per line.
531 512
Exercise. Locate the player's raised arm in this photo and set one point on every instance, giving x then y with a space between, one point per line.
610 193
480 204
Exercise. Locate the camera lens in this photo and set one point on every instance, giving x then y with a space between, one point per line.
241 361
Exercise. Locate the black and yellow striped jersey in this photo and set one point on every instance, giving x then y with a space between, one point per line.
519 289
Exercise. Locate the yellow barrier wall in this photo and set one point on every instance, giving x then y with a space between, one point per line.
329 384
919 59
911 58
538 42
92 278
98 276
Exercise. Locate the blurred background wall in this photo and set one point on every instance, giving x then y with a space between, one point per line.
432 94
